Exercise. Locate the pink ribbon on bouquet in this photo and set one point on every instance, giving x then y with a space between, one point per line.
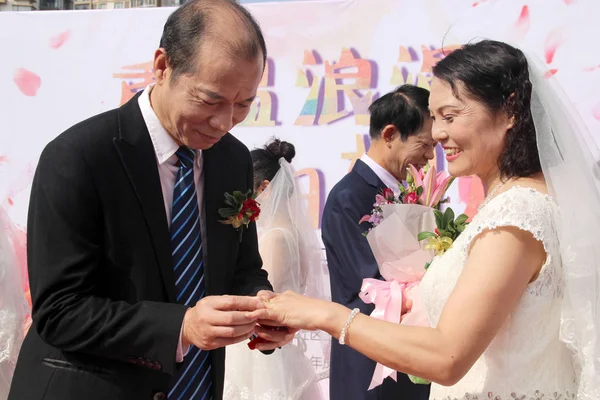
388 297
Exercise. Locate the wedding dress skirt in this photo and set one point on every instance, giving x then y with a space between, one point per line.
251 375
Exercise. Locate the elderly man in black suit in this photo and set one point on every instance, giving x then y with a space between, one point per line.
136 284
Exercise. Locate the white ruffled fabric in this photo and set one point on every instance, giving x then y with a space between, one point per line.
13 310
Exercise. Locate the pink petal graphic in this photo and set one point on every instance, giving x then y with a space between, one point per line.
550 73
470 192
553 42
27 82
596 111
569 2
521 27
60 39
11 202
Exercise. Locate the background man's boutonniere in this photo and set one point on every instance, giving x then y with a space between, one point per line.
242 208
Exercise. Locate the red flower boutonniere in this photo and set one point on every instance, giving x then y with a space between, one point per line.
242 208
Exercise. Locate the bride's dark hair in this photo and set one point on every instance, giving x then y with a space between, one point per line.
265 161
496 75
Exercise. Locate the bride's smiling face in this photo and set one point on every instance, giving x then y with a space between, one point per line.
472 136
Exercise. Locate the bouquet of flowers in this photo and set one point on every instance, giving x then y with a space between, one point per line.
398 226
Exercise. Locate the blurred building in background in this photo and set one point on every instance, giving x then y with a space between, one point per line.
35 5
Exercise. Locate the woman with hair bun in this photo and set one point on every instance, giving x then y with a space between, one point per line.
292 256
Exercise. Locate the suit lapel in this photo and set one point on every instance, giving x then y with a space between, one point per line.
213 200
139 160
368 174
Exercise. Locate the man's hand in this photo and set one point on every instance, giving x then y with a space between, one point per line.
274 336
218 321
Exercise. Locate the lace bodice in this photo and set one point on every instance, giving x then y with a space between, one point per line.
526 359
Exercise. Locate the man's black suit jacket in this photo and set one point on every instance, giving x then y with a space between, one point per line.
105 320
350 260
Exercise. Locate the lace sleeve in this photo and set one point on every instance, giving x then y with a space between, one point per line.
531 211
524 208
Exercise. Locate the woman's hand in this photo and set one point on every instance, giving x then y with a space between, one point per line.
298 312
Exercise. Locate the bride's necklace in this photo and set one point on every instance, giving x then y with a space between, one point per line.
491 194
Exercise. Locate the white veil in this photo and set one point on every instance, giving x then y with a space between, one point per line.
568 155
283 210
290 249
292 256
13 310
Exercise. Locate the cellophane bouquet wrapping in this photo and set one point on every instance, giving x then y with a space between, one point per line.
406 233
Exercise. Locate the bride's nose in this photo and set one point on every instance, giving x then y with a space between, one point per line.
438 133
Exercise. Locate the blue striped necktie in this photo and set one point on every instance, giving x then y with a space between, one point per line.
193 380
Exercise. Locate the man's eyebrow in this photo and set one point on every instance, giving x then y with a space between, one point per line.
211 94
217 96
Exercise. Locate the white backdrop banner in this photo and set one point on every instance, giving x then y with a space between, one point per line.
328 60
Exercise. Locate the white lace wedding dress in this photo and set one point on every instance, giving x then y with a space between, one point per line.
526 360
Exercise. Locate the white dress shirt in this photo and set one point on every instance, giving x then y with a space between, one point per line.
388 179
165 148
166 159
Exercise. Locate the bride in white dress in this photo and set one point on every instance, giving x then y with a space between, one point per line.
292 256
13 309
514 305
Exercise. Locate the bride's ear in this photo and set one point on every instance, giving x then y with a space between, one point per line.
263 186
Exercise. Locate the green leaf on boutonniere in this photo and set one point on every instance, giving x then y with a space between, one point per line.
230 200
239 196
227 212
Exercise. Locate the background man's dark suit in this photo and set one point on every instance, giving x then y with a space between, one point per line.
105 322
350 260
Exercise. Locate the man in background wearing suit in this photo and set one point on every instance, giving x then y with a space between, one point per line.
400 131
128 261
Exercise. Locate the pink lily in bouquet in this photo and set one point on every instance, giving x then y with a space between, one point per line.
425 187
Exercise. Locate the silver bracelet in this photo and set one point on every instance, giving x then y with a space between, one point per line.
347 325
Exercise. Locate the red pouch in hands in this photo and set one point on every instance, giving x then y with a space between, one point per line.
254 341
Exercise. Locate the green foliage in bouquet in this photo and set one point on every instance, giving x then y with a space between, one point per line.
447 231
